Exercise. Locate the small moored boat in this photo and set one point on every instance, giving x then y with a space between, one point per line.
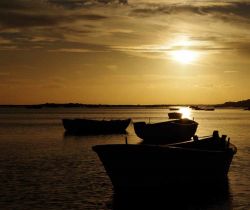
87 126
174 115
173 109
166 132
140 166
209 109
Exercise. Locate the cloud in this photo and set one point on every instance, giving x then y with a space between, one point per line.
75 50
53 83
4 75
112 67
164 51
4 41
140 27
230 71
219 9
19 20
237 9
76 4
26 24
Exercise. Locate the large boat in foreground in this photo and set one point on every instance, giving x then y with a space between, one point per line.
88 126
143 166
167 132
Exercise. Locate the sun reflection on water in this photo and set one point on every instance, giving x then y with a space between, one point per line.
186 112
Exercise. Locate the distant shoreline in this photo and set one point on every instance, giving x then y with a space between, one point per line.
76 105
238 104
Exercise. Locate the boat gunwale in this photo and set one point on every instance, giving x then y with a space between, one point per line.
98 120
231 148
191 122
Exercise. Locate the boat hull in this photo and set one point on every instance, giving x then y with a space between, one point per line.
166 132
132 167
86 126
174 115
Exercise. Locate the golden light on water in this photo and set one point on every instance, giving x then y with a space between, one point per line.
184 56
186 112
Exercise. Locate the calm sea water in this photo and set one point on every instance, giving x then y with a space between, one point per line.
41 168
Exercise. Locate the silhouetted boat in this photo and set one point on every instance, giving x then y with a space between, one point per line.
140 166
87 126
173 109
166 132
202 108
209 109
174 115
195 107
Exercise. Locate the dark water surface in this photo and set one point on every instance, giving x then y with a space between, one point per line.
41 168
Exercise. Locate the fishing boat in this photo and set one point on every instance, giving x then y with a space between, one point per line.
202 108
90 126
144 166
173 109
209 109
166 132
174 115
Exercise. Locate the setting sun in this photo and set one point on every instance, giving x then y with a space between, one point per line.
184 56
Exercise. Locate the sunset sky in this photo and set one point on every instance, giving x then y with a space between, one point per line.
124 52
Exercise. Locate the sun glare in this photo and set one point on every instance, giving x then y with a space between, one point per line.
184 56
186 112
